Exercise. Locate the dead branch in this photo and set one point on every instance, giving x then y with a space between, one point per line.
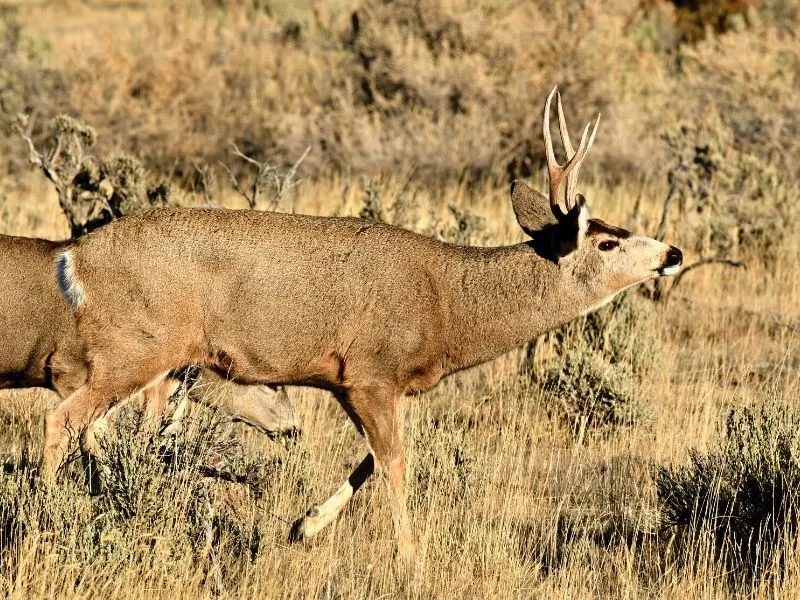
23 127
288 179
34 156
662 225
208 178
714 260
267 175
235 183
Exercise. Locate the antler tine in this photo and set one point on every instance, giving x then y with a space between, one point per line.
553 168
562 128
555 171
572 178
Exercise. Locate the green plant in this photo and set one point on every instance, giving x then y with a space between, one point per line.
599 362
590 391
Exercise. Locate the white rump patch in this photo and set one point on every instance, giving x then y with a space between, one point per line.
68 282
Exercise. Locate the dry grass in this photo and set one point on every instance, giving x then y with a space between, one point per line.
510 494
451 90
507 497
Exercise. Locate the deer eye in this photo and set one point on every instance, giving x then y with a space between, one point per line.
607 245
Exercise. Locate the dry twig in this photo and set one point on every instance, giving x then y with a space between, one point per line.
714 260
267 175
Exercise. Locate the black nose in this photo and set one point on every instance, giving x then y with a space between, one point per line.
674 257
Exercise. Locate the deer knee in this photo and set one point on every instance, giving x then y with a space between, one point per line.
53 425
389 453
156 396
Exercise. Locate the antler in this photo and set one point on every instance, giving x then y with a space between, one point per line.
570 169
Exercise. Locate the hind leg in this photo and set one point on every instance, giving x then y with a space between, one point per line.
75 417
156 394
69 421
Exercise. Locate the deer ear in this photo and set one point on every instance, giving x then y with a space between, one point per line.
572 229
531 208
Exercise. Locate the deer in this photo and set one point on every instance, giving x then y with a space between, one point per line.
371 312
39 346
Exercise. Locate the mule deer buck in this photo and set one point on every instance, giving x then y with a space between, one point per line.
368 311
39 346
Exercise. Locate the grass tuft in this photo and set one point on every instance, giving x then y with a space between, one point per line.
742 493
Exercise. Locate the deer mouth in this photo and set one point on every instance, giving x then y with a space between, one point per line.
666 271
672 264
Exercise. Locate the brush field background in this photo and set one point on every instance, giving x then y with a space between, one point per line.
613 462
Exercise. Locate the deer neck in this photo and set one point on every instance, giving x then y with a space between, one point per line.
501 298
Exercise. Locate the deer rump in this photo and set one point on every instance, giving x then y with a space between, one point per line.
40 347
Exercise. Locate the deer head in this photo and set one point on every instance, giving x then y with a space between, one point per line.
603 258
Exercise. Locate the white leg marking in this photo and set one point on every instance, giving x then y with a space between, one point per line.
317 518
320 516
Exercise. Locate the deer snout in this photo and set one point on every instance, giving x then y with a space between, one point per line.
674 257
672 263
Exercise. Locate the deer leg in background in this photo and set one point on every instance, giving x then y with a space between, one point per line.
378 417
79 413
187 380
310 524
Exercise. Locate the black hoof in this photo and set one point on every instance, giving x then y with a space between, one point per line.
296 532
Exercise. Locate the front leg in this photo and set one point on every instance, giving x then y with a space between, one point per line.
381 418
317 518
377 415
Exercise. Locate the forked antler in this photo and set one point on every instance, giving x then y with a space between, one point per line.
570 169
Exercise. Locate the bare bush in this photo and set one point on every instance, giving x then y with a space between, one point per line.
91 191
268 179
741 494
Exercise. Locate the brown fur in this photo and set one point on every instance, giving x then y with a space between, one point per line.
39 346
37 335
368 311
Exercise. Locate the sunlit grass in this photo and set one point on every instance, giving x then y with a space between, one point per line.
507 497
